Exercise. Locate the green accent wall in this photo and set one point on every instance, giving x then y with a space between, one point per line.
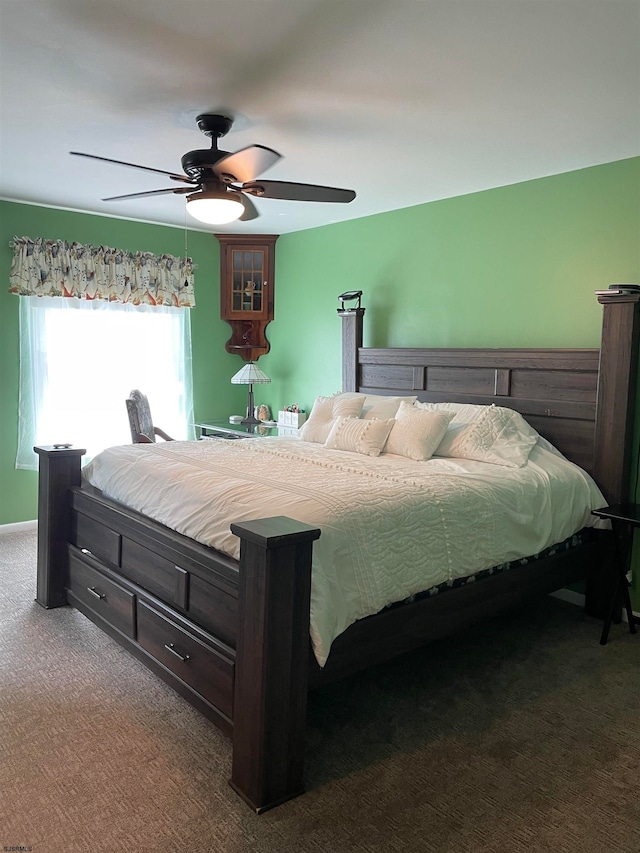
513 266
214 396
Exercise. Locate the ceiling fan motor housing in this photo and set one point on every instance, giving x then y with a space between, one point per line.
213 126
195 162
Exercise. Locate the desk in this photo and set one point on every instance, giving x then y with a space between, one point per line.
624 519
223 429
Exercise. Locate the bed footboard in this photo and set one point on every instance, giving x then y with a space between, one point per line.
232 638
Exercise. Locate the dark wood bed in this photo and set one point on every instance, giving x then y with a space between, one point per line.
233 637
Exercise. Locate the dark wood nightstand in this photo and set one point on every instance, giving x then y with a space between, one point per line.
624 519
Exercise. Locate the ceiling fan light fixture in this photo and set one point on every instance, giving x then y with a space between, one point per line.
215 207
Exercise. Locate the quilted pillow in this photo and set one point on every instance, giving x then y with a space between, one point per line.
496 435
359 436
416 433
381 407
324 412
463 414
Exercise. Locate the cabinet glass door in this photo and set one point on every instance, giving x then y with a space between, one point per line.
248 280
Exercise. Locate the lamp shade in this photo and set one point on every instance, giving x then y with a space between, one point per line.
215 207
250 374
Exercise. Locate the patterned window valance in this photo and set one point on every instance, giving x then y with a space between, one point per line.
58 268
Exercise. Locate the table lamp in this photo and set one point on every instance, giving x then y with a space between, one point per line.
250 375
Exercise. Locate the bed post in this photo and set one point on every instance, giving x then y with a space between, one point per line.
59 471
351 342
272 654
615 407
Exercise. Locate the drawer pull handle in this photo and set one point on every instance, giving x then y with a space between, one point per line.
171 649
86 551
93 592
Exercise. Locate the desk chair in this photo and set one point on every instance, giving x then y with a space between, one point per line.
142 429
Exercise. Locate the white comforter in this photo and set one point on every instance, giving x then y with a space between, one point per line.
390 527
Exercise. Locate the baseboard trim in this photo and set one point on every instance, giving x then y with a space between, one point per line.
19 527
577 598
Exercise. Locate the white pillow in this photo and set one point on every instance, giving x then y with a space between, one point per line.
382 407
496 435
325 410
358 435
417 433
465 415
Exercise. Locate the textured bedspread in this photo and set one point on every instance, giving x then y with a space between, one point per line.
390 527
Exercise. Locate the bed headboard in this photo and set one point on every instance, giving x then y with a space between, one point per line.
581 400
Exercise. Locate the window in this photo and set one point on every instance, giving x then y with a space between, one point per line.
79 359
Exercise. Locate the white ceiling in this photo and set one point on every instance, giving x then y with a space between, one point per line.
404 101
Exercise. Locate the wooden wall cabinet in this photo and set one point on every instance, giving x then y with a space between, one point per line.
247 265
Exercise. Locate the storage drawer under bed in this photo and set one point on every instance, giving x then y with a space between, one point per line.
103 596
211 603
101 541
189 657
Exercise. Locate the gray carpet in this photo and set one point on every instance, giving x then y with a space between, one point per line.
522 735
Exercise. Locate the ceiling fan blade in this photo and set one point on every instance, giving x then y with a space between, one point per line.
250 210
246 164
289 191
133 166
175 190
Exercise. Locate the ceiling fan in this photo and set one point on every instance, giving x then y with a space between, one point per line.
219 183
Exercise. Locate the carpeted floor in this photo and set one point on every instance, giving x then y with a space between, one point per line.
523 735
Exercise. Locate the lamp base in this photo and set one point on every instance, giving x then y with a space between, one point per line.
251 418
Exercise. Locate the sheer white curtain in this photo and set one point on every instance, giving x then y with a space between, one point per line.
80 358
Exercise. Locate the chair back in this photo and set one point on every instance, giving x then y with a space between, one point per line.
140 420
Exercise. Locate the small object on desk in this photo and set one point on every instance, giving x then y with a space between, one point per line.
235 419
262 413
287 417
629 516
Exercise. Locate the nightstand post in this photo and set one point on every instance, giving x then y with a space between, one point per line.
616 394
615 409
